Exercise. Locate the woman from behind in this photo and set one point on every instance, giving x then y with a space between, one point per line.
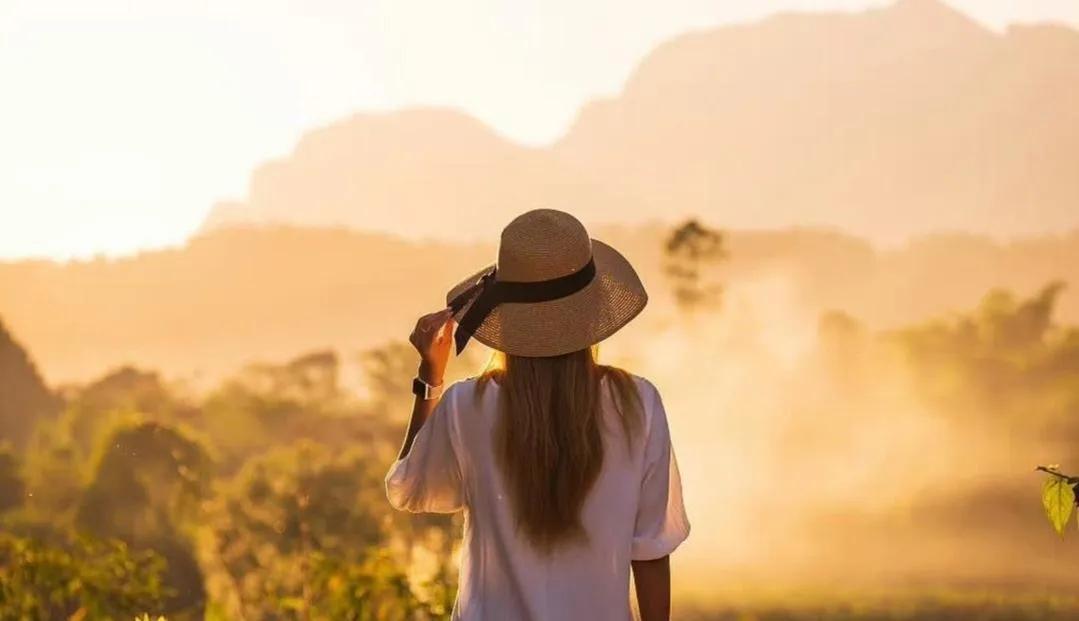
563 467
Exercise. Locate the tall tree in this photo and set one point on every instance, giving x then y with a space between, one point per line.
691 250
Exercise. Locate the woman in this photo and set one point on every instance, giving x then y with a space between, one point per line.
563 468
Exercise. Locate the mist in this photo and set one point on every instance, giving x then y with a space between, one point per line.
814 459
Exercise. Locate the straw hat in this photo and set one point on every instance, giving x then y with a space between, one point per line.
553 291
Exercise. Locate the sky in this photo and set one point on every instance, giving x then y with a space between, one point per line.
122 123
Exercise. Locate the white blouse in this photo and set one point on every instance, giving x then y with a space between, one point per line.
633 512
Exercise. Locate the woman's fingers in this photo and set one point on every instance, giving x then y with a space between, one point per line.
424 323
431 327
443 319
440 318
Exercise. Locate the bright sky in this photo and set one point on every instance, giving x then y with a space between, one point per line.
121 123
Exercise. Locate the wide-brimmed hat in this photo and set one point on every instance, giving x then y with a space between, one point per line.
554 290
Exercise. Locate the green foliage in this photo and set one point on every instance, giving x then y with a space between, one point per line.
374 590
147 477
12 488
273 405
55 472
297 529
83 579
146 489
1058 497
264 498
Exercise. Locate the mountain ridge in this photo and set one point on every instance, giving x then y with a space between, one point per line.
242 295
887 123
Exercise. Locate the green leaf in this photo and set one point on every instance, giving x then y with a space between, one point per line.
291 603
1058 498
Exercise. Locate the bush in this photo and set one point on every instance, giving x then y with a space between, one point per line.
84 578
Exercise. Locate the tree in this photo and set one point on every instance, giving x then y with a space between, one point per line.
1005 346
296 512
690 252
12 488
307 381
81 578
148 483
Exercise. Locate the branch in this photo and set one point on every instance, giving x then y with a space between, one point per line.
1069 479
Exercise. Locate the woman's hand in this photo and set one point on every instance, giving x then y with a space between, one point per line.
433 338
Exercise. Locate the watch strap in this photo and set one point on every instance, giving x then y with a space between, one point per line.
426 391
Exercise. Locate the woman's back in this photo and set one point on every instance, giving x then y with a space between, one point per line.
563 468
633 510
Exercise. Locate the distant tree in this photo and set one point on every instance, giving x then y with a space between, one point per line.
387 371
129 389
1004 362
272 405
306 381
148 484
690 253
24 398
146 472
1006 324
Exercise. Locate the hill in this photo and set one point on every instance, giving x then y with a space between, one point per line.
242 295
24 398
887 123
416 173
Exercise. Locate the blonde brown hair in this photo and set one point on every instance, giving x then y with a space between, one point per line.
548 441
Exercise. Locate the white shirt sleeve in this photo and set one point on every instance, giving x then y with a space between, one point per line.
661 523
428 478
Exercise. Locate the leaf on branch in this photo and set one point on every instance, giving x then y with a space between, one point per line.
1058 498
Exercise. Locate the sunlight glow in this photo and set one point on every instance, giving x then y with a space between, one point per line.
123 123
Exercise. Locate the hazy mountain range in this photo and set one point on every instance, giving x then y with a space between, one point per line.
890 124
885 123
237 296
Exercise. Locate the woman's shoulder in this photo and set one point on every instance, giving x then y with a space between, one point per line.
468 383
645 385
468 393
645 388
651 404
455 390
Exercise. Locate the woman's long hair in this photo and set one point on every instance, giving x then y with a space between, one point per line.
548 440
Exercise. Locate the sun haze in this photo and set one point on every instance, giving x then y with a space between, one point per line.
123 123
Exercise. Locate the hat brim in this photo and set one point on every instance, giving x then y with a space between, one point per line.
613 298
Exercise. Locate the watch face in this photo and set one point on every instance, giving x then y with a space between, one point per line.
419 388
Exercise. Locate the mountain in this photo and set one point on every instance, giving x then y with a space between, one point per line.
886 123
237 296
23 395
419 173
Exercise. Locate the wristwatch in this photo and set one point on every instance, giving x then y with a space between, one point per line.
426 391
